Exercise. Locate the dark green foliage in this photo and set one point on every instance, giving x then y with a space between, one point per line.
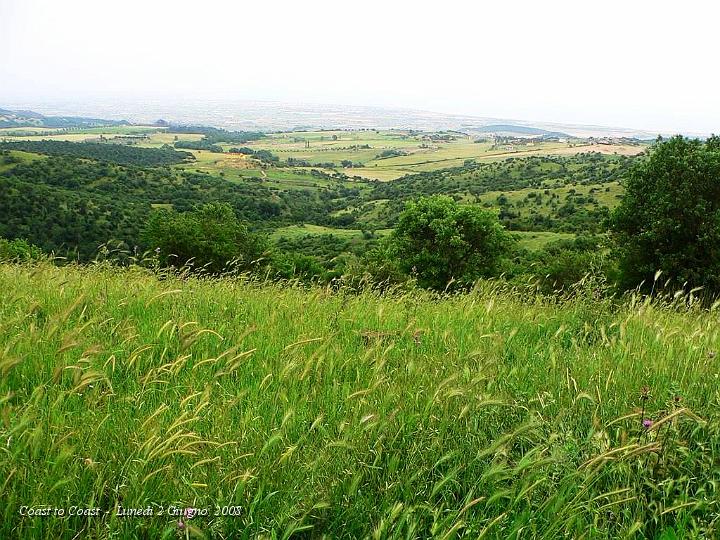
331 254
72 206
199 145
298 266
217 135
210 238
669 218
67 206
262 155
242 150
266 156
392 152
438 241
120 154
9 159
323 246
378 267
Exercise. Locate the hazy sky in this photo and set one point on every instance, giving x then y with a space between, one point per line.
635 63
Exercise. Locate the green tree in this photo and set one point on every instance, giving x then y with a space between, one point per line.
439 241
209 237
669 218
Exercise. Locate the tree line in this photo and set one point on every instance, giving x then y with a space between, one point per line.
120 154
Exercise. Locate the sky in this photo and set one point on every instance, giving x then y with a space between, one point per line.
645 64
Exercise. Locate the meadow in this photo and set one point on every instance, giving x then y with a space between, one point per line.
278 410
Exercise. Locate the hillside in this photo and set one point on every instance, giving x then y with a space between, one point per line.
71 205
314 195
522 131
278 409
18 119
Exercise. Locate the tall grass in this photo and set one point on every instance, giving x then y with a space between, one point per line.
494 414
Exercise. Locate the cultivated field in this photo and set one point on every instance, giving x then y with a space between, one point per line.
423 151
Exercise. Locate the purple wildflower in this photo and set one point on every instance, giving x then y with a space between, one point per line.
647 423
181 525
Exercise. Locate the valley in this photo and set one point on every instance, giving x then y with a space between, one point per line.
548 188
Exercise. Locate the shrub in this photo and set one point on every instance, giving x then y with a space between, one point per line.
440 241
210 237
297 266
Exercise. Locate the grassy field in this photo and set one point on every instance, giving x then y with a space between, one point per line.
240 168
538 240
422 152
293 231
20 157
305 412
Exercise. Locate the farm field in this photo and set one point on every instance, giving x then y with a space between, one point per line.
422 152
241 168
281 410
417 151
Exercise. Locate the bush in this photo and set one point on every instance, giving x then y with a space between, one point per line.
565 263
440 241
297 266
209 237
377 268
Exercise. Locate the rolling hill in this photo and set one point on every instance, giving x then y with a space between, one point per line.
20 119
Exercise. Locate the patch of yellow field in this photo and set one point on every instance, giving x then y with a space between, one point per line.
377 173
621 149
235 161
160 138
